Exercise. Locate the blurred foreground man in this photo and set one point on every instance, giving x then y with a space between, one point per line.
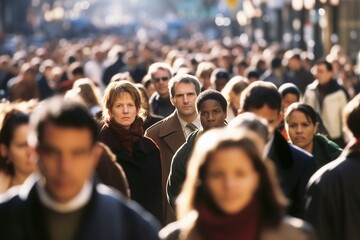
64 201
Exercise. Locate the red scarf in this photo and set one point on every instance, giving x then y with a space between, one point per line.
215 225
126 137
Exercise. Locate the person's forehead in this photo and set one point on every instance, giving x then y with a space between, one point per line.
210 103
52 130
184 87
161 71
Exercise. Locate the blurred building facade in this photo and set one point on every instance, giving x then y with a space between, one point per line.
313 25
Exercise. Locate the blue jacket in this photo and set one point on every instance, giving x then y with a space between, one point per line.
108 216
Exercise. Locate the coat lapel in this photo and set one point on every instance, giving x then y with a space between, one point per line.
171 132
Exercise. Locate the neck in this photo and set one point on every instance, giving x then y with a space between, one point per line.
189 118
309 148
18 179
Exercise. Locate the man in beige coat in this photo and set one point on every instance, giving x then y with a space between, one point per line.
170 133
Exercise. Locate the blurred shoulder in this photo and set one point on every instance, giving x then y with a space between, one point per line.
290 228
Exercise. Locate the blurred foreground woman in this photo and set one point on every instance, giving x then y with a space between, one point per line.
232 193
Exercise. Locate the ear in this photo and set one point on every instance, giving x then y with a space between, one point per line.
3 150
240 111
97 151
172 100
280 118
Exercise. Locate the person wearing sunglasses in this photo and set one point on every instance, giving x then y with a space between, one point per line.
160 103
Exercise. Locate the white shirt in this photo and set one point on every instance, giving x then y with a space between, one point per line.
80 200
268 146
187 131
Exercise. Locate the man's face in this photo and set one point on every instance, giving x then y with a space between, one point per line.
211 114
184 99
271 115
323 75
160 80
67 159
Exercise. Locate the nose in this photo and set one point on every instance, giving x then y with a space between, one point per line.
211 117
64 164
125 109
230 182
186 98
299 129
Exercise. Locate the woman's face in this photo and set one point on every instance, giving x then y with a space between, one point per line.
211 114
300 129
231 179
124 110
19 152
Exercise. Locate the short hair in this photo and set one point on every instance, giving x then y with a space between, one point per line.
351 116
253 74
12 120
221 73
213 95
252 122
236 84
287 88
276 62
160 66
258 94
63 113
76 68
307 110
114 89
204 67
327 64
183 78
121 77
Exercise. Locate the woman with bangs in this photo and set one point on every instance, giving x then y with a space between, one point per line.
138 155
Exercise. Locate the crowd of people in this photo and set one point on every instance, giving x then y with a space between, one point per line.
107 139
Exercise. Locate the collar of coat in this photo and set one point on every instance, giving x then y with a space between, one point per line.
170 125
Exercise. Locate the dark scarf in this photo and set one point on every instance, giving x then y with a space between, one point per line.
215 225
126 137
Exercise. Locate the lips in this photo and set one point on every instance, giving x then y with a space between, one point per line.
299 139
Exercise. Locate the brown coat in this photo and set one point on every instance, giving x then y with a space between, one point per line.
169 136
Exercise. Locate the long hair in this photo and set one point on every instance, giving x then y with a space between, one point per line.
12 120
271 199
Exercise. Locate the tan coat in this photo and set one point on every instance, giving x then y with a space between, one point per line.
169 136
290 229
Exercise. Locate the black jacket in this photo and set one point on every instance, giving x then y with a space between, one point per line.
142 170
179 167
333 198
294 168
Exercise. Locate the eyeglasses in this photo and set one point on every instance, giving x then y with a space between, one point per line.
156 80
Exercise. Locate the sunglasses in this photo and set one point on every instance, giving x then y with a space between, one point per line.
156 80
